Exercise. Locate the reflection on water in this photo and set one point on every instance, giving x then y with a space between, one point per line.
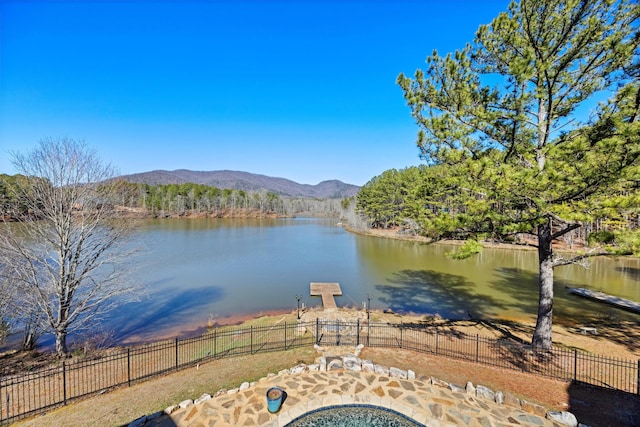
197 268
495 283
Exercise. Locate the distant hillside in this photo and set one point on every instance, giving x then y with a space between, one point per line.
246 181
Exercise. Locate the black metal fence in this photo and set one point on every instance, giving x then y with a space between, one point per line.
30 393
560 363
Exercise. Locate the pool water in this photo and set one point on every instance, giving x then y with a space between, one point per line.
353 416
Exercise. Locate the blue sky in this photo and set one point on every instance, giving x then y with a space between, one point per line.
303 90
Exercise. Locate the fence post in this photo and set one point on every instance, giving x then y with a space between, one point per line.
358 333
285 334
176 353
251 339
575 365
129 366
401 326
368 333
7 417
317 331
64 383
477 347
436 342
337 332
215 343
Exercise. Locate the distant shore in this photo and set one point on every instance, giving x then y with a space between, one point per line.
143 213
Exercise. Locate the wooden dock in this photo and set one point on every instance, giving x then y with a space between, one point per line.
618 302
327 291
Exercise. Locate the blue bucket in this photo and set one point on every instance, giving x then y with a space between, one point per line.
274 399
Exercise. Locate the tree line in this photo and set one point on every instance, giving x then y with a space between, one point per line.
164 200
170 199
205 200
415 201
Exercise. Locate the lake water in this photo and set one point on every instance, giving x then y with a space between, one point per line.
194 269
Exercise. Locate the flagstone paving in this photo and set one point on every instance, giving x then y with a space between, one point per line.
349 380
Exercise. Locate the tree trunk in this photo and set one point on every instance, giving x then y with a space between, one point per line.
61 342
29 340
32 332
542 335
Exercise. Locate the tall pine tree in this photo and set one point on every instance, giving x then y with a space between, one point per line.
506 114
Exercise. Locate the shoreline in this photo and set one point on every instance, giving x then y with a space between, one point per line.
394 235
197 328
611 339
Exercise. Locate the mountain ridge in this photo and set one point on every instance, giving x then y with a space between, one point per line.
246 181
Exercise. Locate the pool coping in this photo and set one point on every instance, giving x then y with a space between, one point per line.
355 405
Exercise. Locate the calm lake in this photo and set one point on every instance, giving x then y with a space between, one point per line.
194 269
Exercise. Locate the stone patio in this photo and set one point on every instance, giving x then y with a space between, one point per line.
346 379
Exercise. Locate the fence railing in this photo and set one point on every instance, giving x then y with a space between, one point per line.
30 393
560 363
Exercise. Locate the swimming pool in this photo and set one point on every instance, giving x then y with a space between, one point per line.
353 416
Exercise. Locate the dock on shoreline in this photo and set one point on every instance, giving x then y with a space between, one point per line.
617 302
327 291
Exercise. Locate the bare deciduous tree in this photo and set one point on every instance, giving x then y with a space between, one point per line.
66 256
6 315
